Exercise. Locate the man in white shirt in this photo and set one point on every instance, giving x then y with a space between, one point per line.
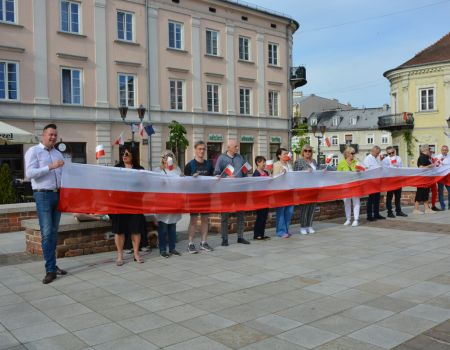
393 161
373 202
444 158
43 166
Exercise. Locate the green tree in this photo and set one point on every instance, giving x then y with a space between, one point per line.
300 131
177 138
7 193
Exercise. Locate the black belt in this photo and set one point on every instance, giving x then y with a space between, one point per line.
55 190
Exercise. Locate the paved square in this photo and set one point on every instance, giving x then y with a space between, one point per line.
376 286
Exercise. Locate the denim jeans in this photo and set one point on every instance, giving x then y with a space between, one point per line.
283 219
167 233
49 216
441 195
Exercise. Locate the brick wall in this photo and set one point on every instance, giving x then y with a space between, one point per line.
11 222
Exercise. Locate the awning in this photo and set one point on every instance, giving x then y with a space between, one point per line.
11 135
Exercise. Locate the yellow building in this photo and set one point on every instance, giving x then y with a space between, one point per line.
420 100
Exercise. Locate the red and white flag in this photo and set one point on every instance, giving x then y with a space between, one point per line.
246 168
141 129
287 157
360 167
394 161
327 141
269 164
229 170
329 158
170 163
120 140
99 151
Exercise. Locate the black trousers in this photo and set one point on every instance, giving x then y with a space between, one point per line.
373 205
260 222
398 197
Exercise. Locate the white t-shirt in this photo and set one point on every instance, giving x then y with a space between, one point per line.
392 162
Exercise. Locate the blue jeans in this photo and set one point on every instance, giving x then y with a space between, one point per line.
441 194
49 216
167 232
283 219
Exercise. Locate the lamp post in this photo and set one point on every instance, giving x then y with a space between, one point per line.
123 114
322 130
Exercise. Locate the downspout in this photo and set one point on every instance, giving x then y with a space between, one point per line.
147 36
290 93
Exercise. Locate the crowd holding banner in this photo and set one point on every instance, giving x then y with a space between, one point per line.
126 190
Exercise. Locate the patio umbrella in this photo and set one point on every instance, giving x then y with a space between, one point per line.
11 135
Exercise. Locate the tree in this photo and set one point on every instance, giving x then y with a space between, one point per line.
300 132
177 139
7 193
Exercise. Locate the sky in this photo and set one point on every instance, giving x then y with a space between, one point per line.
347 45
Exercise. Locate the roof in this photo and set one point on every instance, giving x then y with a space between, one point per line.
438 52
366 119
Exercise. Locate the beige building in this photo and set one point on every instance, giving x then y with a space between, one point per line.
221 68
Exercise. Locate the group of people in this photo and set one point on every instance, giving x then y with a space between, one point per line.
44 167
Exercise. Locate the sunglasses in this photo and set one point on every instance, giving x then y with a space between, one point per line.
308 150
126 154
391 153
353 153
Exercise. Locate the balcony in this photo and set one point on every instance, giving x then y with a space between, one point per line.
343 146
396 121
298 77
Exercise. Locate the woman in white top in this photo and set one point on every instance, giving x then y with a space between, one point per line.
167 223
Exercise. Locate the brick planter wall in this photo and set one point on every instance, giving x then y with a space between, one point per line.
12 222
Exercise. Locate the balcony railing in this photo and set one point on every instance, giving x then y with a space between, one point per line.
298 76
343 146
396 121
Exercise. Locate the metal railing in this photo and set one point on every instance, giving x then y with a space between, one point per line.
396 121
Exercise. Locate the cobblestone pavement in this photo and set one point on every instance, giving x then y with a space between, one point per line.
377 286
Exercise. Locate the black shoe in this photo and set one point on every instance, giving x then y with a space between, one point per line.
243 241
175 252
435 208
379 217
371 219
224 242
400 213
164 254
49 277
391 215
60 271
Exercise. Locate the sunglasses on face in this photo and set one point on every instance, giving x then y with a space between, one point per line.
307 151
126 154
391 153
353 153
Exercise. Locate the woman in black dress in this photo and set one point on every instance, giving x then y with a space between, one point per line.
423 193
128 224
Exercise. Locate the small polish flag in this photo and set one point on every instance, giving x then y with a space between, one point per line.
170 163
269 165
229 170
288 157
141 129
246 168
360 167
329 158
394 161
327 141
120 140
99 151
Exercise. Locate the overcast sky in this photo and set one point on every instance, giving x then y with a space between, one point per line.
347 62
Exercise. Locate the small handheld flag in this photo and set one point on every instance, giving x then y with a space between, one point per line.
99 151
246 168
120 140
141 129
229 170
269 165
287 157
327 141
360 167
170 163
329 158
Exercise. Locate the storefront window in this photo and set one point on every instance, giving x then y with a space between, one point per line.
246 151
273 147
214 149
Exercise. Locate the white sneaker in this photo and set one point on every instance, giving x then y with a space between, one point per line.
303 231
347 223
355 223
311 230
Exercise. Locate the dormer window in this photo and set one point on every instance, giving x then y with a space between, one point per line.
335 121
353 120
313 121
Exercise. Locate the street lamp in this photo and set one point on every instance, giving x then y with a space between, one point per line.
322 130
123 114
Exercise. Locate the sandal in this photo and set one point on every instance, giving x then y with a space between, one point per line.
119 262
140 261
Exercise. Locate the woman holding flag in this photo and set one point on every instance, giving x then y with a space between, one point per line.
283 214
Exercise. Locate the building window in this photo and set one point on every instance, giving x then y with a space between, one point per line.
9 78
353 120
70 17
273 148
335 161
394 103
246 151
214 150
175 35
244 101
71 86
335 121
370 139
426 99
313 121
348 139
76 152
125 26
273 54
244 48
8 11
274 103
334 140
127 90
212 96
384 139
176 94
212 42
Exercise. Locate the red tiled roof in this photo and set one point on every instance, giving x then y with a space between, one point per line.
438 52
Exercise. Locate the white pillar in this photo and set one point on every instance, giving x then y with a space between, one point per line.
100 54
153 64
40 46
262 144
261 81
196 67
231 94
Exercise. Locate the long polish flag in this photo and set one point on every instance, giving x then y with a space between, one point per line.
110 190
